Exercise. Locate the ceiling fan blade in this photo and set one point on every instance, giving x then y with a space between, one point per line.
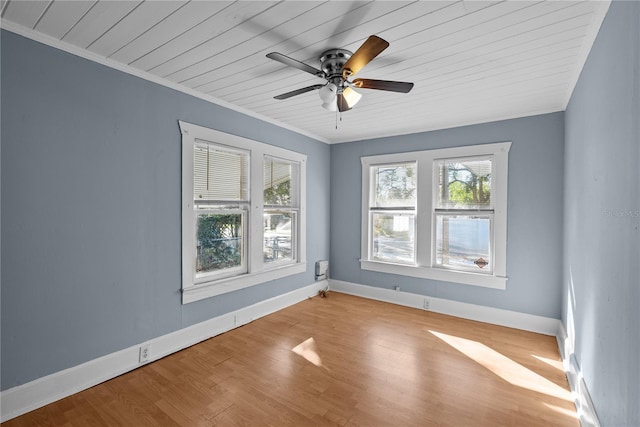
298 92
295 64
365 53
403 87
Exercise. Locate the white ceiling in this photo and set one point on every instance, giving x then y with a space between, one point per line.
471 61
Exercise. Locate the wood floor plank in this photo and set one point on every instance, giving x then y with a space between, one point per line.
337 361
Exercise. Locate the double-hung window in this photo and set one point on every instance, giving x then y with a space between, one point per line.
463 214
437 214
392 211
220 207
243 212
281 210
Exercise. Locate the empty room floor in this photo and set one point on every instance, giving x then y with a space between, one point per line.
337 361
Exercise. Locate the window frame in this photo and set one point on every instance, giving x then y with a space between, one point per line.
194 289
425 221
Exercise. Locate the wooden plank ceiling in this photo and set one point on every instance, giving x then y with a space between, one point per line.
471 61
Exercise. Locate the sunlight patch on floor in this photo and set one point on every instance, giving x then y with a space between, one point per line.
564 411
309 350
554 363
505 368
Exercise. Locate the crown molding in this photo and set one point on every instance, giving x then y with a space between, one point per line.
85 54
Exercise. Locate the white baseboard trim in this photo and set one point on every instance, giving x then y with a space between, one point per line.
582 398
496 316
35 394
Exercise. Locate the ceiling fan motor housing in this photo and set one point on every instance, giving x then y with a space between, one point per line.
332 62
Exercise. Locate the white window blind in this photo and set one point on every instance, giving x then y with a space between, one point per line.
220 173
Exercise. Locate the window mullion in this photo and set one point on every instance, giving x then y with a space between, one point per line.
256 168
424 227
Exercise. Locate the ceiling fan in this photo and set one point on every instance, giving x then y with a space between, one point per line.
337 66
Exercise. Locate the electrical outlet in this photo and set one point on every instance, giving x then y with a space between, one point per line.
427 304
145 353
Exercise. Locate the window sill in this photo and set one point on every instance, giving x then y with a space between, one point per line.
222 286
466 278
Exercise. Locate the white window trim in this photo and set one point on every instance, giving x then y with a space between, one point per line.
258 272
424 218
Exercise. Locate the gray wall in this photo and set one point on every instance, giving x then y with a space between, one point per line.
534 235
601 286
91 209
90 181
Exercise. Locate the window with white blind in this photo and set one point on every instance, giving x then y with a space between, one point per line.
221 203
437 214
243 217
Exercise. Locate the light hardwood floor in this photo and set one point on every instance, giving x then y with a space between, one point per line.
337 361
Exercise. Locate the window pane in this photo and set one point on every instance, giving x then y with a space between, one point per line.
393 237
280 180
279 236
464 183
219 242
463 241
394 185
220 173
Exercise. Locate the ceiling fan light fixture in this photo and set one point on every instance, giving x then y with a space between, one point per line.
328 93
330 106
351 96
